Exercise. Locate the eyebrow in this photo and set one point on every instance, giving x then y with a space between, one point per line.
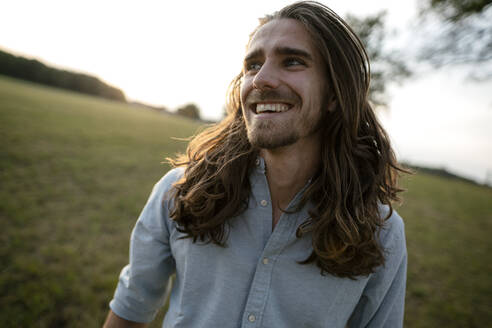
293 51
280 51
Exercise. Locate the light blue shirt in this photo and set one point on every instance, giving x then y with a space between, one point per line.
256 281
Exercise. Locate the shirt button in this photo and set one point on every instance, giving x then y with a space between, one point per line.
265 261
264 203
251 318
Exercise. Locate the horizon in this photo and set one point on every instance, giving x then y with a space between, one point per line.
156 55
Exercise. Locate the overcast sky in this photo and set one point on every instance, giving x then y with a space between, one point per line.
169 53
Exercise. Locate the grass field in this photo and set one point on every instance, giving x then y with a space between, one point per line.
75 172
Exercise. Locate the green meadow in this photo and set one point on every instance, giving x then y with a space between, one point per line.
75 172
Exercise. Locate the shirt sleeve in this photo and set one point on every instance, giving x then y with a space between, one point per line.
383 300
142 283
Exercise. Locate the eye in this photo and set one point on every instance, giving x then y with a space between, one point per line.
290 62
253 66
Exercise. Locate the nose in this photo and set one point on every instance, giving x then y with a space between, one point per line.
266 78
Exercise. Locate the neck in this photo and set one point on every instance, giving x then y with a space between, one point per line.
288 170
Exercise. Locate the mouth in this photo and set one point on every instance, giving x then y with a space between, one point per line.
261 108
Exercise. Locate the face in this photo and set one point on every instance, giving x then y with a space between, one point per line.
283 90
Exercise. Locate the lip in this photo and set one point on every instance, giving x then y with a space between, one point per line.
269 114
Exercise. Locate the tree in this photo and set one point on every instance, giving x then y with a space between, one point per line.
461 37
35 71
457 10
190 110
387 65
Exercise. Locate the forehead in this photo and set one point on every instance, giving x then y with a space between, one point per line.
281 33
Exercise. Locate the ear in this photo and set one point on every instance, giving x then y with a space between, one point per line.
332 104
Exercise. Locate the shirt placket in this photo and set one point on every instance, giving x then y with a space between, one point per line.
260 287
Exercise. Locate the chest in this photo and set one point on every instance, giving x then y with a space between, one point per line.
257 277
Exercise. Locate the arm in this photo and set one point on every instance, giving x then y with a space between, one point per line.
383 300
113 321
143 282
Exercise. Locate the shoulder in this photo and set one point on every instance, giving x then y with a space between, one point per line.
392 234
156 210
165 184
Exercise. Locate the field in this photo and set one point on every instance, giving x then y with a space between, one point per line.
75 172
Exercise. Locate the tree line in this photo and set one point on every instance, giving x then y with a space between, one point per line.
464 38
35 71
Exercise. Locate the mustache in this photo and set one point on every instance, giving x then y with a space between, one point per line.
273 95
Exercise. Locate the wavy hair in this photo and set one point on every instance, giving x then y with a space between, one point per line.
358 172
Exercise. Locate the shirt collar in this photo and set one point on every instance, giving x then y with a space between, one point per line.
260 164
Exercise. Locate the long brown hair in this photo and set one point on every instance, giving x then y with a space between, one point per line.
358 172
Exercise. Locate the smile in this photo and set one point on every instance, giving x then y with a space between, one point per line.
271 108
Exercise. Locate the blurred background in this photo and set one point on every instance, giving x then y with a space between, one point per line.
94 94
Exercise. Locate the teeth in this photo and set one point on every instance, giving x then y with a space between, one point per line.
260 108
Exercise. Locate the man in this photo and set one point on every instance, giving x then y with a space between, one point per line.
280 215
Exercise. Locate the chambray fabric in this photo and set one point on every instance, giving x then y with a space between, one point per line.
256 280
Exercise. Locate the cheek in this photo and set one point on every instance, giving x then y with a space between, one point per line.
303 86
242 96
244 89
317 94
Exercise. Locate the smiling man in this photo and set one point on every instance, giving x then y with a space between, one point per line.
280 215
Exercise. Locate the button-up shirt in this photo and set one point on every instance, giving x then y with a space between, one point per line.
256 280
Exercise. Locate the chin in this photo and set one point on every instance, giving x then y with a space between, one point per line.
271 142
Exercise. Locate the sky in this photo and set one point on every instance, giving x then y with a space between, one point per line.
170 53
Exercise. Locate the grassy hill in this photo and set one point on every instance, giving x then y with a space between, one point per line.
75 172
